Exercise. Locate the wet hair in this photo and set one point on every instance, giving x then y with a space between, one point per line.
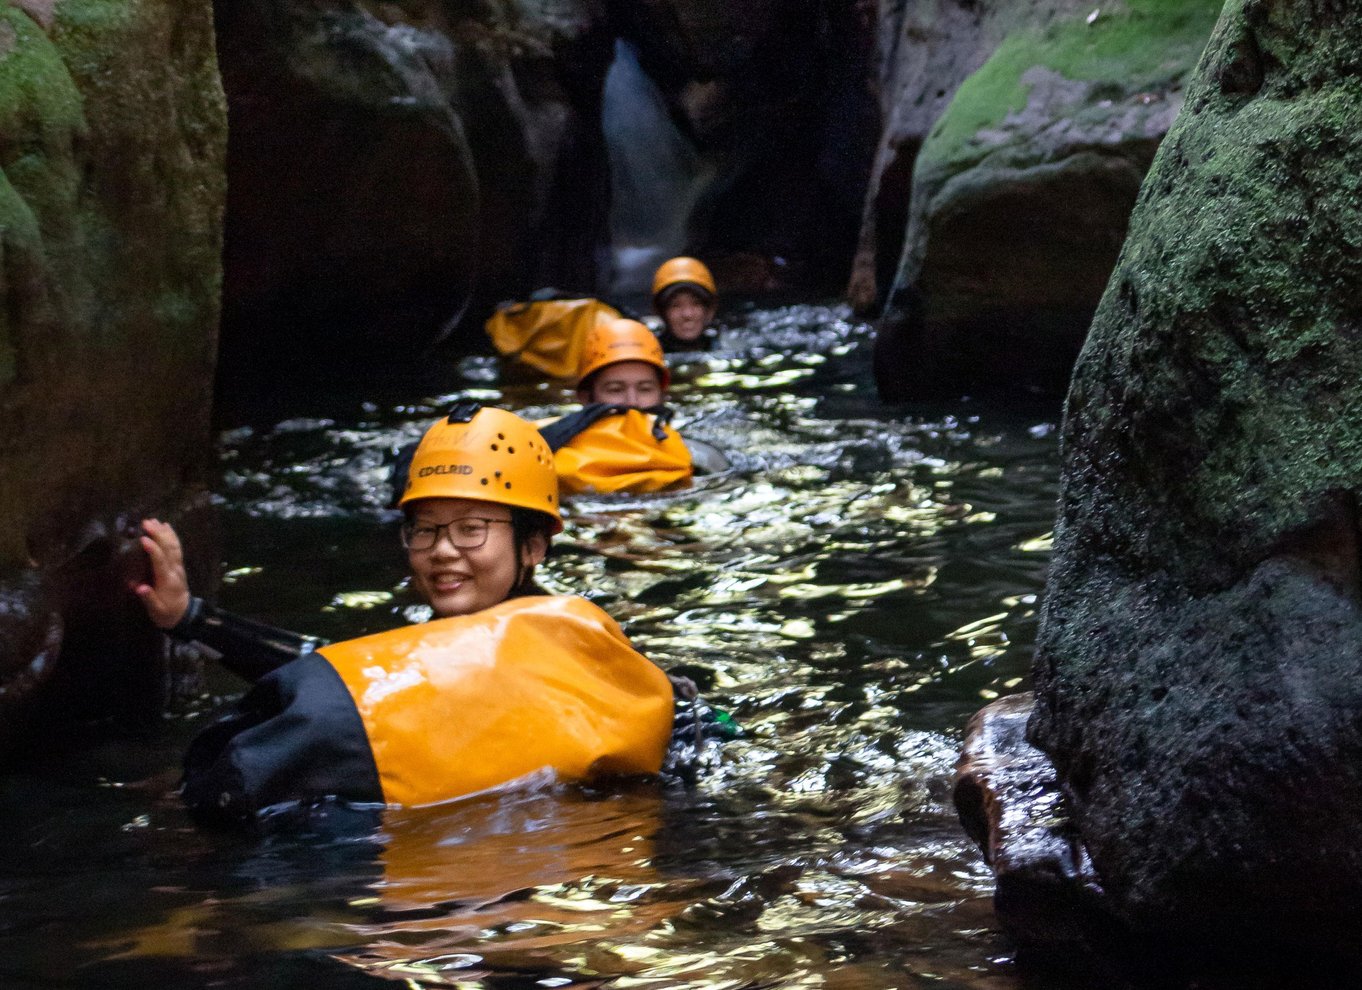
525 525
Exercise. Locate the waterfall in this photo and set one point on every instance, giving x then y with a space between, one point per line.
659 180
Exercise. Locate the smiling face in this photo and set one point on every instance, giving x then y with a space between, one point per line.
625 383
462 581
686 314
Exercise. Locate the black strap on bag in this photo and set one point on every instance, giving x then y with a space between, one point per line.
561 432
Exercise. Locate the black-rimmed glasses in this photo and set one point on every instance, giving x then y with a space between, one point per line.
468 533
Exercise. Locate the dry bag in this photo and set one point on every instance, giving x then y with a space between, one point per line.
625 451
460 705
547 334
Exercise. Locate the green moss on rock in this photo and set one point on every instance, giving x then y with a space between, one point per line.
1129 48
18 235
36 92
112 142
1197 660
1244 254
1023 187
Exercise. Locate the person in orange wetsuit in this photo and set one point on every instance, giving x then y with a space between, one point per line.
505 682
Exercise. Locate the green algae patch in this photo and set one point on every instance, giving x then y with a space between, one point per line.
1247 252
112 190
37 95
18 232
1136 47
40 115
1200 633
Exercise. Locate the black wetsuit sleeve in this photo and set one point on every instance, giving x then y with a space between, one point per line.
296 737
246 648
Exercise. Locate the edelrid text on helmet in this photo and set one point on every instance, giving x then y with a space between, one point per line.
621 340
683 273
487 454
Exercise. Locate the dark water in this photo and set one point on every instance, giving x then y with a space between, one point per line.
853 590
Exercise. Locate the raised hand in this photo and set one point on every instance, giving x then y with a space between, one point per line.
167 598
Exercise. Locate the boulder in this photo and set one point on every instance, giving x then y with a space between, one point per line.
1201 635
390 162
1026 130
925 51
112 134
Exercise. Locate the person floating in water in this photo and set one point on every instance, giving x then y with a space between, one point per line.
505 682
620 441
685 298
546 333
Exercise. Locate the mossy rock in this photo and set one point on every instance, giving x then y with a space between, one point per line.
1023 187
112 185
1117 52
1197 663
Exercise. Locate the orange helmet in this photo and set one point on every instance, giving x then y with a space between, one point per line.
688 273
621 340
486 454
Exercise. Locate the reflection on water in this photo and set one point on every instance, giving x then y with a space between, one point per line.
852 590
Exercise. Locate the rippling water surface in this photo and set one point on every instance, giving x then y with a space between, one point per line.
852 590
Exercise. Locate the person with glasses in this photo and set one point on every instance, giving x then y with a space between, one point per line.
506 681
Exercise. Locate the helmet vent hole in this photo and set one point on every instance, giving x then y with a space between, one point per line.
495 447
484 481
498 474
508 485
500 436
510 450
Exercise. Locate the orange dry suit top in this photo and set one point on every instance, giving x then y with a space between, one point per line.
606 448
547 334
431 712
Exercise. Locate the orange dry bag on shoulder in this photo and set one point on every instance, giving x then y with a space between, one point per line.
626 451
460 705
547 334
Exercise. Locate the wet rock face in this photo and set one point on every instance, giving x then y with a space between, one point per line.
389 160
1018 139
111 194
775 98
1197 670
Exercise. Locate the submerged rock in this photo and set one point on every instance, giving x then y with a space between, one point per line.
112 134
1026 130
1197 667
1009 799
